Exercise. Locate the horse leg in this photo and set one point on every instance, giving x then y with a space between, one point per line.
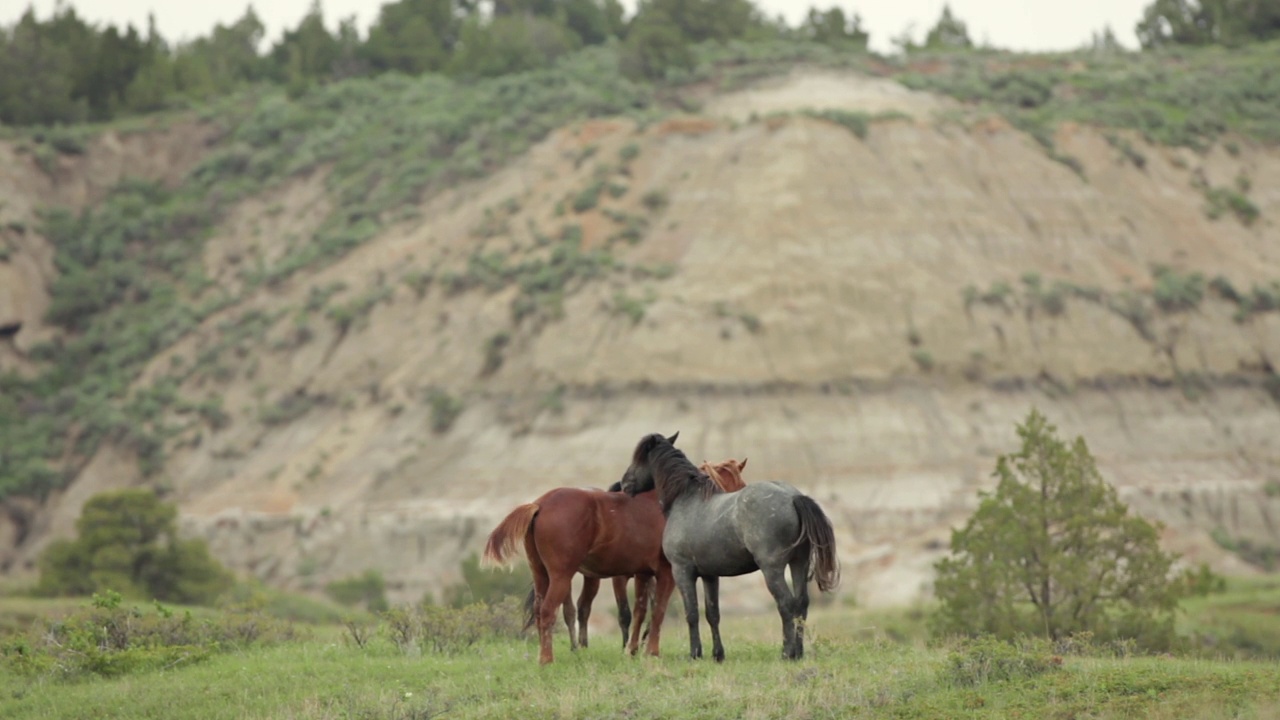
800 597
624 607
711 586
569 613
590 586
541 586
662 595
557 594
642 605
776 579
687 581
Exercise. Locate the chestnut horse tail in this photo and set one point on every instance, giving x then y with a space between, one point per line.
816 528
508 536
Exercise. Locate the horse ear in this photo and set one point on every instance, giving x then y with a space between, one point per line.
742 465
672 439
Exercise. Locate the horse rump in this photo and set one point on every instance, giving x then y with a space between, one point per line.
816 528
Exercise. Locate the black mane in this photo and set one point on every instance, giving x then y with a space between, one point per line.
673 475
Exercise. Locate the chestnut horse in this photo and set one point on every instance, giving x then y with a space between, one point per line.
600 534
727 475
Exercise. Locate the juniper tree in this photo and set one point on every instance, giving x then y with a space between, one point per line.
1053 551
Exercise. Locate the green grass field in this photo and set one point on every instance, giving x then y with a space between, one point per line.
857 664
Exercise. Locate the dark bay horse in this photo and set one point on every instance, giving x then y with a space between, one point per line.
710 534
727 475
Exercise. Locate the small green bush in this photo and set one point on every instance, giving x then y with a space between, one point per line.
856 122
588 198
445 409
655 200
985 659
494 348
449 630
368 590
489 586
923 359
1177 293
632 308
110 639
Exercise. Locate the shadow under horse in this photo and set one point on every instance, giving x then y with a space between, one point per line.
709 534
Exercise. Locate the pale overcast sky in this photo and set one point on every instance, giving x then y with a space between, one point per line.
1011 24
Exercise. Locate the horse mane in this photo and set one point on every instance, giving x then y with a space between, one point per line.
679 476
725 474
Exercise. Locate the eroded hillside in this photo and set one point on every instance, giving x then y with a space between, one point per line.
862 304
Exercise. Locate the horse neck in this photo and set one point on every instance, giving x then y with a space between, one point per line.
690 489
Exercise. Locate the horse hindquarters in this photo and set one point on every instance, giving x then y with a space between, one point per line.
814 556
816 529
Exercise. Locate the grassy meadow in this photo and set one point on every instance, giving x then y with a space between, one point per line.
858 663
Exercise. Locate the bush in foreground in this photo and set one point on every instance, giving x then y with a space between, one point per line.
108 639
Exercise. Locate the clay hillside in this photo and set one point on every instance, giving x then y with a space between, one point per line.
351 330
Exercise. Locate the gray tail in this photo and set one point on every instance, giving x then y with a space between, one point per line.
528 610
816 528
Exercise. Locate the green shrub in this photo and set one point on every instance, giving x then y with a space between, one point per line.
655 200
1177 293
109 639
632 308
493 353
451 630
485 585
127 542
1084 564
1221 200
988 659
588 198
348 315
287 408
368 590
1203 581
420 281
857 123
445 409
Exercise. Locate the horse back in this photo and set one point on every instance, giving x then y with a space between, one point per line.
732 533
600 533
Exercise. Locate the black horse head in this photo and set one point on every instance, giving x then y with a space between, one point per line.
639 475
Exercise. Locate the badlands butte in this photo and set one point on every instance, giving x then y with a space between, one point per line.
864 312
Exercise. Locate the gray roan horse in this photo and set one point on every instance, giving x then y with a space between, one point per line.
711 534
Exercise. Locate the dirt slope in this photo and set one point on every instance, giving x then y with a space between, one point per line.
798 297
